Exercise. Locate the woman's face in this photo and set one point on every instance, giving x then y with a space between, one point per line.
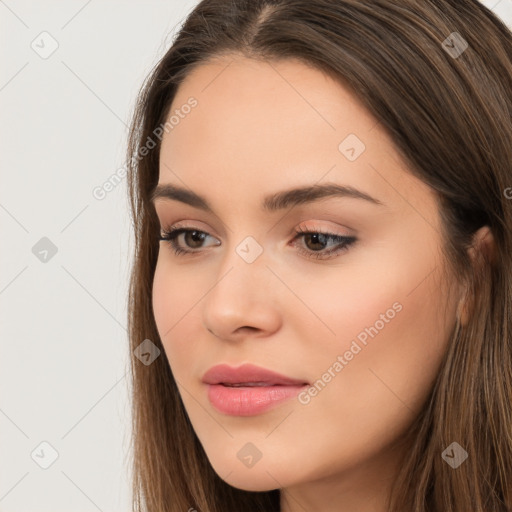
365 326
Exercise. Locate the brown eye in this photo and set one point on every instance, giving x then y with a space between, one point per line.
317 241
193 239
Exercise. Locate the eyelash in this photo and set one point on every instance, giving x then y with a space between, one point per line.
343 241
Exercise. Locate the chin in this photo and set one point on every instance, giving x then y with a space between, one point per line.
246 480
236 474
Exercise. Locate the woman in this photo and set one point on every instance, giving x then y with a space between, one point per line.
321 194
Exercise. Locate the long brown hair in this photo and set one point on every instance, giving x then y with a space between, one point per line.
449 116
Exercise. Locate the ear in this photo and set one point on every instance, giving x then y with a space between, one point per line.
483 245
482 251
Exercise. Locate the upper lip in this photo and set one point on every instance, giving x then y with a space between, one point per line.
225 374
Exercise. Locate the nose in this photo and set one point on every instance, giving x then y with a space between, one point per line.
241 303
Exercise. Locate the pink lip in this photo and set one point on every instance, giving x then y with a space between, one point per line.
248 400
224 374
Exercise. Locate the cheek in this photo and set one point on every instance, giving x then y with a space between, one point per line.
164 299
390 328
176 299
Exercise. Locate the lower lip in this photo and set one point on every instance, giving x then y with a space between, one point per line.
248 401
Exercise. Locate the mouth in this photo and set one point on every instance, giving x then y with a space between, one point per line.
249 390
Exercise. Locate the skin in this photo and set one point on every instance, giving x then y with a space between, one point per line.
263 127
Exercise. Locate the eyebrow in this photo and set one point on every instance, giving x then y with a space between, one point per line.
271 203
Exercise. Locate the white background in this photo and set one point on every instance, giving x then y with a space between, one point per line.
64 361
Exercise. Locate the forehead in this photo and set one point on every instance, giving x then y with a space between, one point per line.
255 107
260 126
